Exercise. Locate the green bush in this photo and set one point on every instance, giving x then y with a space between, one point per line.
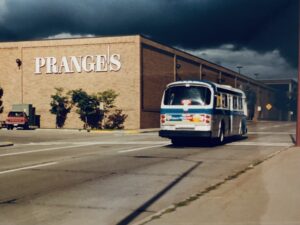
60 106
88 108
115 120
114 117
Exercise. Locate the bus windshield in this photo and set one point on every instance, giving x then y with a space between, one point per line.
187 95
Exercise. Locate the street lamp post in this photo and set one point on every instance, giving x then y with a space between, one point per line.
239 68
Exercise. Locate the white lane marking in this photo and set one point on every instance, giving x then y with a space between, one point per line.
245 143
274 126
43 150
142 148
96 143
28 167
273 133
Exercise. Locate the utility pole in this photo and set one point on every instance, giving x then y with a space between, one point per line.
298 95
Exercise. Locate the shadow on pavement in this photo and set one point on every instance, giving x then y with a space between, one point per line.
293 138
155 198
204 142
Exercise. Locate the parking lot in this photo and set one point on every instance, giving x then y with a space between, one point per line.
78 177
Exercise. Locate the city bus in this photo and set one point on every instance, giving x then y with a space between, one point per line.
202 109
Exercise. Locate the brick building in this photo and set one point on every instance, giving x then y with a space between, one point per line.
135 67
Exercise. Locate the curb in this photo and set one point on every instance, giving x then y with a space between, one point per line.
6 144
125 131
137 131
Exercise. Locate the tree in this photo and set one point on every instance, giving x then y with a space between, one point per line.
113 117
87 108
60 106
107 98
1 102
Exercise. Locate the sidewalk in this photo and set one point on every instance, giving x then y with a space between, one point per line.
268 194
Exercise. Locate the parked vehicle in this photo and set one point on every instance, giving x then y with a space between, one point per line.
17 119
202 109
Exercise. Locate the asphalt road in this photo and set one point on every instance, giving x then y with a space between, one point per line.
69 177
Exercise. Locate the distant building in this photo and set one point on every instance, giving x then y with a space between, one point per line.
134 66
286 97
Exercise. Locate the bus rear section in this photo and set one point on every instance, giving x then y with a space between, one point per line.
186 111
202 109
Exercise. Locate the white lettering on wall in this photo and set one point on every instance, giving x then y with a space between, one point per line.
77 64
64 66
51 65
101 63
115 63
39 63
88 64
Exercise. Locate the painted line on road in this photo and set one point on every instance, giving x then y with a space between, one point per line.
274 126
44 150
95 143
245 143
142 148
266 132
28 167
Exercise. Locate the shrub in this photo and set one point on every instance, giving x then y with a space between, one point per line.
113 117
60 106
115 120
87 108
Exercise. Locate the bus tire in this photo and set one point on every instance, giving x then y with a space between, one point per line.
241 130
221 136
177 141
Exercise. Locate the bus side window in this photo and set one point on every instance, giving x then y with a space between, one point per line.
235 102
240 103
217 101
224 101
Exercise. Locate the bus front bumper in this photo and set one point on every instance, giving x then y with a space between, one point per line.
184 134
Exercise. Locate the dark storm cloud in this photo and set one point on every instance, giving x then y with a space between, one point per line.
262 25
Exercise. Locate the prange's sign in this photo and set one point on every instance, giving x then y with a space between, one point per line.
72 64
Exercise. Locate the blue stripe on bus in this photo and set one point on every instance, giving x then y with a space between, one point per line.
164 111
200 111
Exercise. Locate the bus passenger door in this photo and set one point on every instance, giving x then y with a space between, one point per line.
236 116
231 118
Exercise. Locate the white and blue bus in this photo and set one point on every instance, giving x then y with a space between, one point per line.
202 109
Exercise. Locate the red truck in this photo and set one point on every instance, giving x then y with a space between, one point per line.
17 119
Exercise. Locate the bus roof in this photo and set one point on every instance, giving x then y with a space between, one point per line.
215 86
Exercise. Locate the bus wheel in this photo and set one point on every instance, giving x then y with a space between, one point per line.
241 130
177 141
221 137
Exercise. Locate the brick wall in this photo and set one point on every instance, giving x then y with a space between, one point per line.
37 89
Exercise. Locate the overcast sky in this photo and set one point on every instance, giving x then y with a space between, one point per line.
260 35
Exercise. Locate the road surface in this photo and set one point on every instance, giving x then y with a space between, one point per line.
70 177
